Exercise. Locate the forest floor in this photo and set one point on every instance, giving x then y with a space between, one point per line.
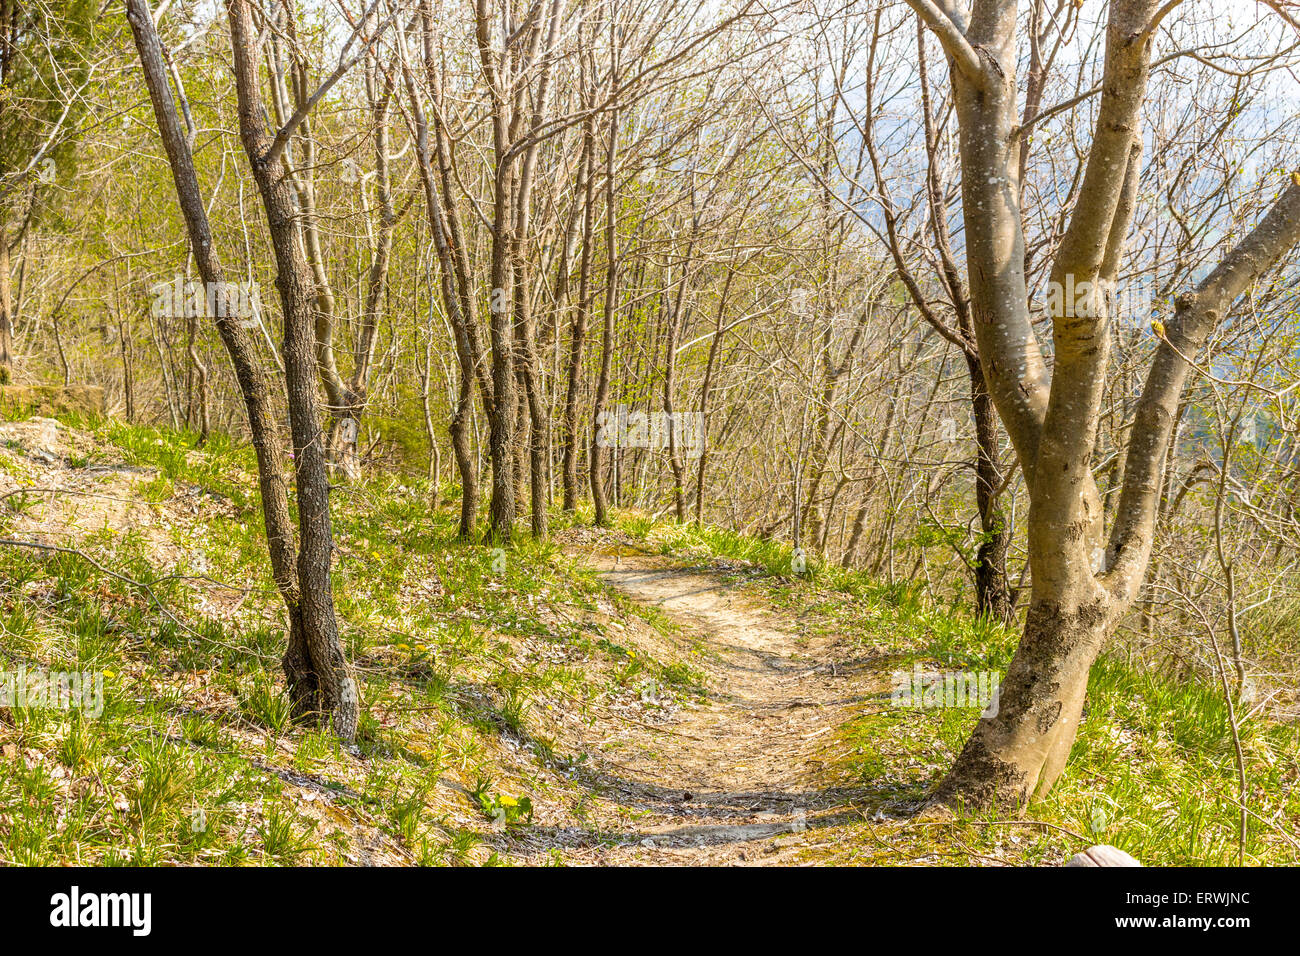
739 776
647 694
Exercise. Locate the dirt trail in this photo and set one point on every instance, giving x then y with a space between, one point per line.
746 766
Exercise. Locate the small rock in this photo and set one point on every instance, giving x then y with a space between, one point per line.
1102 855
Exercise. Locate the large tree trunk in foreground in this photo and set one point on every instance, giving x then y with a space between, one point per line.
1019 752
272 483
321 679
1079 591
1051 417
1022 749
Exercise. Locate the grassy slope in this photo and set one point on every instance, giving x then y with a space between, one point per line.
477 667
1152 772
194 757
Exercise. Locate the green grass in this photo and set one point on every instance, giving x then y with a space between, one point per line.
469 657
1152 771
195 757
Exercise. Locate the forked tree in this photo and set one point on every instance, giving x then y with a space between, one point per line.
1085 577
317 671
320 673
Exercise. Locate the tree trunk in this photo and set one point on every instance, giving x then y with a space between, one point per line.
323 681
6 309
597 457
706 391
1019 752
453 273
345 430
675 321
578 332
272 483
993 594
1079 591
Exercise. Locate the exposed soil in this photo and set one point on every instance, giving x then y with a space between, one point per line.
64 489
746 764
734 771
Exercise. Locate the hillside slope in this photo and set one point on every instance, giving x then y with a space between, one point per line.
649 694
